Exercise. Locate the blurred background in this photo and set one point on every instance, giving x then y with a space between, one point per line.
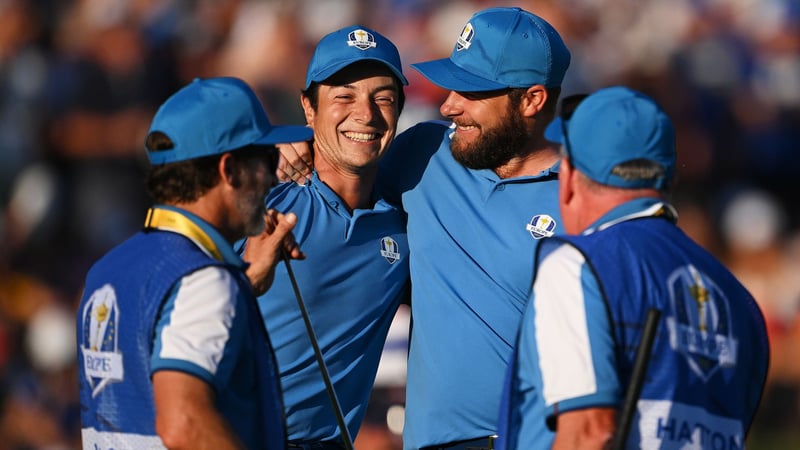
81 79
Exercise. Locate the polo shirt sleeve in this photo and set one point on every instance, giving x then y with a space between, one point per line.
573 339
201 327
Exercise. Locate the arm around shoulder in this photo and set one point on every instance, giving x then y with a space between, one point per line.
296 162
404 163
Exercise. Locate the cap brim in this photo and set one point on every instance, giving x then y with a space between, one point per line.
285 134
328 72
555 131
444 73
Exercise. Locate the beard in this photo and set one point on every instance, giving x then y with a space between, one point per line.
495 147
251 208
249 204
255 223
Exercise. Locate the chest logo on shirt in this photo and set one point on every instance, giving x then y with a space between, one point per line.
700 322
390 250
102 361
541 225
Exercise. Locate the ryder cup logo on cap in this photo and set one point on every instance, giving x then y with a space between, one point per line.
617 125
349 45
361 39
501 48
465 39
213 116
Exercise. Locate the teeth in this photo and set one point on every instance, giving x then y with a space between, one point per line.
466 127
362 137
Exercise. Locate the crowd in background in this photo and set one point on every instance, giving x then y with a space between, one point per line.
80 81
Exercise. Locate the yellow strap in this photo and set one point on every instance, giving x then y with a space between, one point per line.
164 219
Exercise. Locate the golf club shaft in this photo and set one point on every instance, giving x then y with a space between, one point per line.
640 364
323 368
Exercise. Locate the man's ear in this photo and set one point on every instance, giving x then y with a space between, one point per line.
308 110
228 172
566 178
534 100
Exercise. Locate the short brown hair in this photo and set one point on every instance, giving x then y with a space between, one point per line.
312 92
187 181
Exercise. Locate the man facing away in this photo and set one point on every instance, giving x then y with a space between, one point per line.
173 351
356 270
624 255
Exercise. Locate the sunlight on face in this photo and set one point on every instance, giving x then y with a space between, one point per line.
489 129
356 115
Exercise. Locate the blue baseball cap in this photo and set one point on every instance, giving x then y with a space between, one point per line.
616 125
345 46
501 48
213 116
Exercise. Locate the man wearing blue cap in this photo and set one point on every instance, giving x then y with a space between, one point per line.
624 255
480 192
173 353
356 271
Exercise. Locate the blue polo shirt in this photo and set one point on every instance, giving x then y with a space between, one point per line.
472 237
352 281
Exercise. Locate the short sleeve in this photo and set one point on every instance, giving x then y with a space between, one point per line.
198 329
573 340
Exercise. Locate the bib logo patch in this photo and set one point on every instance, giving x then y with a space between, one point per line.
541 225
102 361
361 39
465 38
700 323
390 250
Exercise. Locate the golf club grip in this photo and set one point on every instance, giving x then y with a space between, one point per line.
637 380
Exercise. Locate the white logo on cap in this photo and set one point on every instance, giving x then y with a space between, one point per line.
361 39
465 39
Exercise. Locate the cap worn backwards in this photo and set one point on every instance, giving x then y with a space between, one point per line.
616 125
345 46
213 116
501 48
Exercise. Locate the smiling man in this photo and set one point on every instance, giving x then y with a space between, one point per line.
480 193
356 270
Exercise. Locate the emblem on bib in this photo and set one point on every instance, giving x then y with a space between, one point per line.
700 322
102 361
